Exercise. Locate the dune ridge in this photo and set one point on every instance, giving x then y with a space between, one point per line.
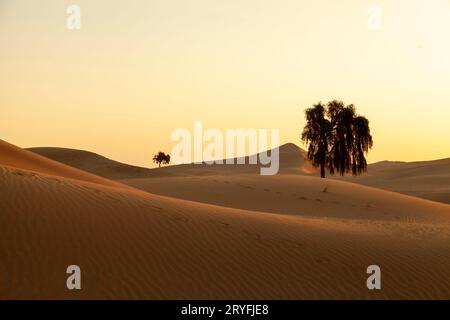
14 156
93 163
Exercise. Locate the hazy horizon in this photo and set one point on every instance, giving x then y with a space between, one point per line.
137 71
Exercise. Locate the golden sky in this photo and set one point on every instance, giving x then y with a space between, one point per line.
139 69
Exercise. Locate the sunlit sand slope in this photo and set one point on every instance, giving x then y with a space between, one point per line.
130 244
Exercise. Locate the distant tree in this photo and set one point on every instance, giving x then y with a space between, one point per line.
338 139
161 158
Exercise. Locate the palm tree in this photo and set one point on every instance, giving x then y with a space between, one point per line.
338 138
316 133
161 157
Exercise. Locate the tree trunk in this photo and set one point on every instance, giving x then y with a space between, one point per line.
322 170
159 164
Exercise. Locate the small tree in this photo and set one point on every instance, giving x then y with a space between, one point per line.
161 158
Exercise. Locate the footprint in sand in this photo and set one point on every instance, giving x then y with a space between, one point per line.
58 181
24 174
302 198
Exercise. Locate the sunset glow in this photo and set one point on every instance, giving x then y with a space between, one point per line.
137 70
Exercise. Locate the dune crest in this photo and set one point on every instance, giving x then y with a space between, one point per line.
11 155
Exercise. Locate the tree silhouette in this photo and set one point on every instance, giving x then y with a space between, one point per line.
316 133
338 138
161 158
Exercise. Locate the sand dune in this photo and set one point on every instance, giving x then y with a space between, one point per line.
291 161
135 245
131 244
94 163
11 155
426 179
297 195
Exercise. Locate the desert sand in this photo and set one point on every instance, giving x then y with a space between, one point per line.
426 179
11 155
297 195
297 237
